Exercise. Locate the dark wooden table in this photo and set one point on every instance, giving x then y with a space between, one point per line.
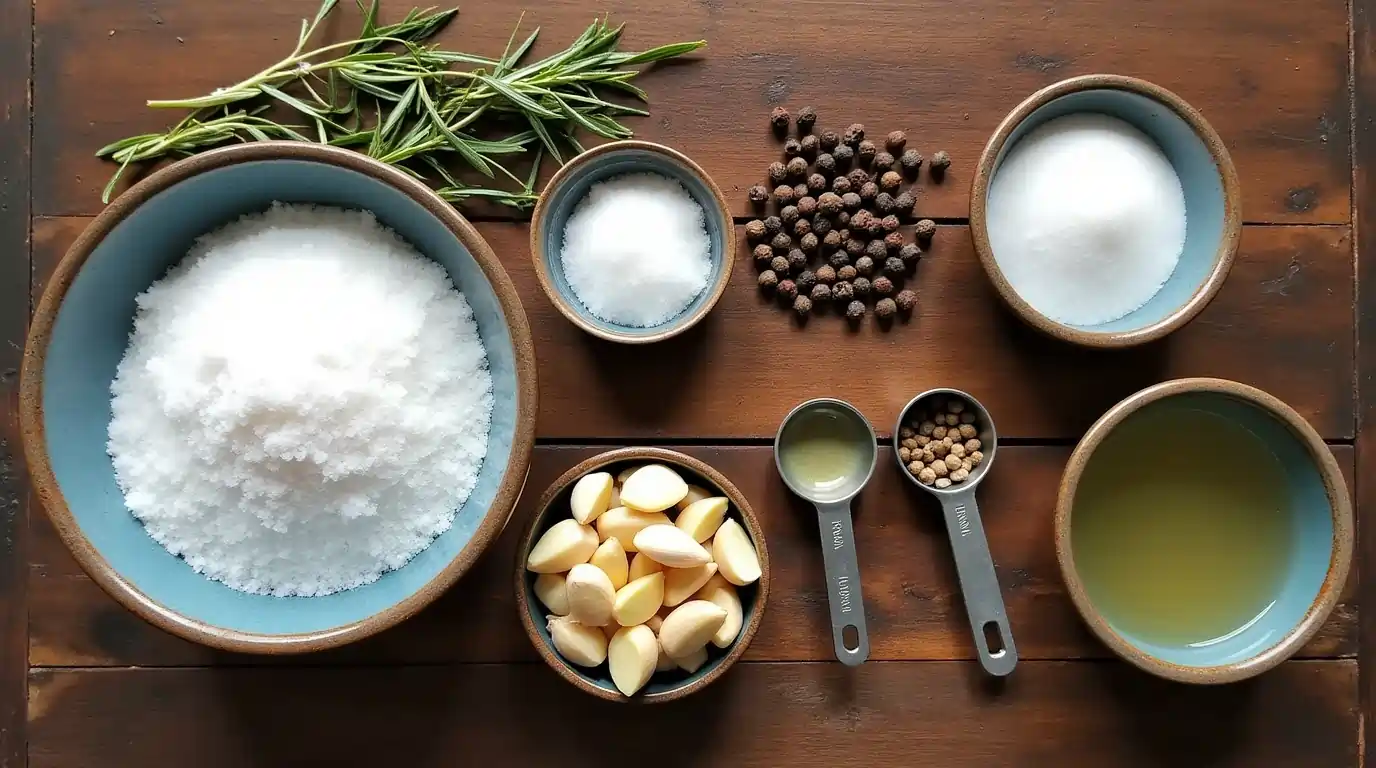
1291 86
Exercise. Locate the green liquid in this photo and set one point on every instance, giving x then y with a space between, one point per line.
1181 527
825 452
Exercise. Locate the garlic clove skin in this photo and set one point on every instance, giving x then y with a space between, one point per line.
681 583
653 488
591 596
735 555
623 523
590 497
670 546
702 518
578 644
566 544
552 592
632 657
611 558
690 627
638 601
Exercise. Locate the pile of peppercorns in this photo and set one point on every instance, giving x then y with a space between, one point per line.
940 443
839 198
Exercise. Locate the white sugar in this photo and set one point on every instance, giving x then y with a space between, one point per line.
303 405
1086 218
636 251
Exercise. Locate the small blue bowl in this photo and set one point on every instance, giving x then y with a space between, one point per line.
1321 541
80 333
570 185
1212 201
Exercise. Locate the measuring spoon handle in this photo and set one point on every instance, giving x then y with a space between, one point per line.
979 583
843 582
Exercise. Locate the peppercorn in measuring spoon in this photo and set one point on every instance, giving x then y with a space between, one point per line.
825 451
944 443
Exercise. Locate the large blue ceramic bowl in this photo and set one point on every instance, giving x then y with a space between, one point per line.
1309 577
82 327
1212 201
571 184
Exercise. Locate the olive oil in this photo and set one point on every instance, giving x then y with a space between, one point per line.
826 452
1181 527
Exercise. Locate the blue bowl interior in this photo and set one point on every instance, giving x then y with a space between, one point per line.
1311 548
662 682
92 331
1199 179
559 205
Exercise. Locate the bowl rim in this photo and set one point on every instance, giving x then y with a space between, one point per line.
574 314
1340 504
1223 257
642 453
34 440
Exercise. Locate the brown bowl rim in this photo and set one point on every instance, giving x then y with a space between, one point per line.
1227 246
35 444
537 236
1330 592
620 455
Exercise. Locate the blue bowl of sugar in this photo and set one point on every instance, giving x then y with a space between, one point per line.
80 334
633 242
1106 211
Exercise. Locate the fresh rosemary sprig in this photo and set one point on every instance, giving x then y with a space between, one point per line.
416 106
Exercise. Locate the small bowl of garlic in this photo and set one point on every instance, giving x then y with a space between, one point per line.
642 575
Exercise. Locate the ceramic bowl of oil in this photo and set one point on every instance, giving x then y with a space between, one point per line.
1204 530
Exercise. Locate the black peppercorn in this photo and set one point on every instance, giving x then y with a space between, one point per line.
802 227
905 300
862 287
889 223
808 146
843 154
843 220
789 213
882 286
797 168
755 231
893 241
783 194
808 242
855 310
845 272
894 267
768 279
840 185
854 134
876 250
903 204
773 225
777 172
826 165
816 183
883 162
779 264
799 190
805 280
910 254
868 191
890 181
911 162
839 260
781 242
940 162
778 120
797 260
821 293
802 305
759 195
895 141
924 231
763 255
826 275
885 203
851 201
830 203
792 147
874 226
831 241
855 247
885 308
829 140
866 152
842 291
858 178
807 205
787 290
860 220
865 266
821 225
807 117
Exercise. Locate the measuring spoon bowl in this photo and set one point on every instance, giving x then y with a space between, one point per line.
979 582
826 452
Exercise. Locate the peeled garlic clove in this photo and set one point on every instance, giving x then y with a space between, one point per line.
591 596
552 592
723 594
665 662
653 488
625 473
566 544
611 558
693 661
614 500
578 643
695 493
637 602
632 657
623 524
735 556
690 626
642 565
590 496
702 518
681 583
655 622
668 545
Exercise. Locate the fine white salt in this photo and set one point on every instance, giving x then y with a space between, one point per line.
1086 218
636 250
304 403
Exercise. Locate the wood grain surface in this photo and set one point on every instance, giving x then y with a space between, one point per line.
1271 79
1282 322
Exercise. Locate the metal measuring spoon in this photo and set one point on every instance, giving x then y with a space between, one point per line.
974 566
832 496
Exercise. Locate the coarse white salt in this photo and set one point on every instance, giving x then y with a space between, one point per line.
1086 218
304 403
636 250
